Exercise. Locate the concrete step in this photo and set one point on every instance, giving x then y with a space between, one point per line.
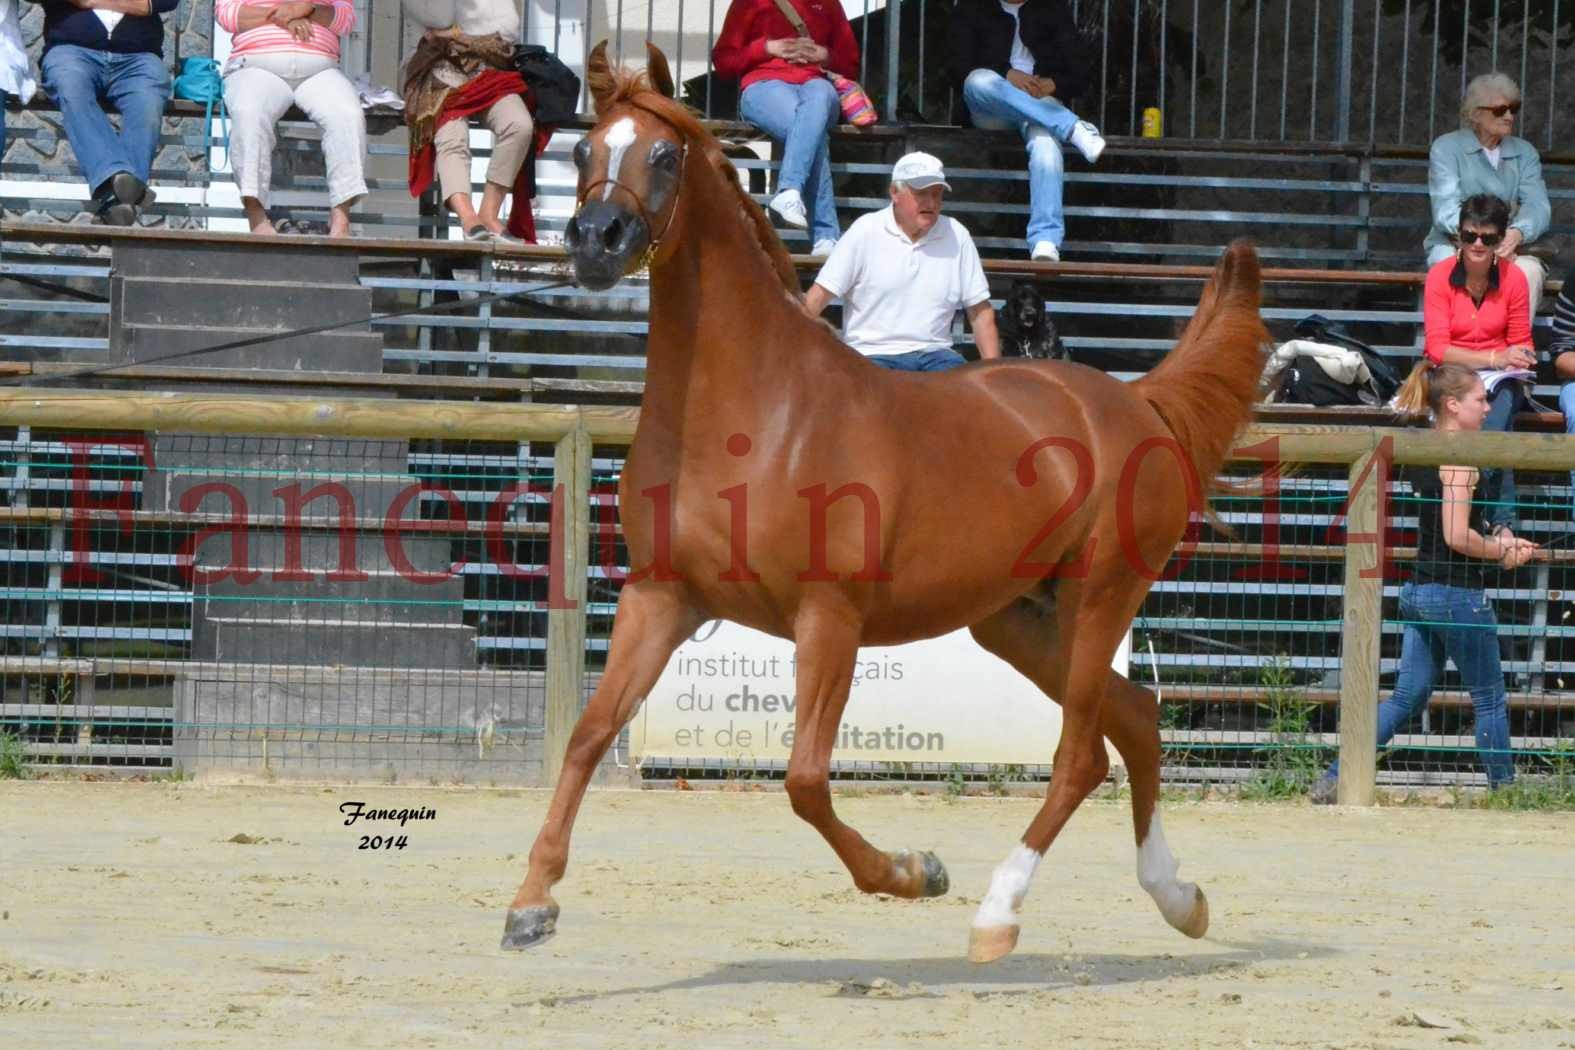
344 351
375 472
333 642
332 457
163 490
258 304
351 724
235 262
320 553
386 597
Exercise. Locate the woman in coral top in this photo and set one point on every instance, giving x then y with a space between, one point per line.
1474 312
787 95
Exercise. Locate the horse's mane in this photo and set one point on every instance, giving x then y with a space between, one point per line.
610 87
1205 387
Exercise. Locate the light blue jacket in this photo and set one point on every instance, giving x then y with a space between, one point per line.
1458 168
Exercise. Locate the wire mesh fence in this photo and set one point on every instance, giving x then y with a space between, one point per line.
350 606
289 605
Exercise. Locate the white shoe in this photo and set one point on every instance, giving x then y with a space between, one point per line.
1087 140
823 246
789 206
1044 251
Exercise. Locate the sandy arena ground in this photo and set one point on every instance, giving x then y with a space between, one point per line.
708 919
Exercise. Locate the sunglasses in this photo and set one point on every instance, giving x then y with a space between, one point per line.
1499 111
1489 240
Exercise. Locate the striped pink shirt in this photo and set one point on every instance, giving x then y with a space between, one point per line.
269 37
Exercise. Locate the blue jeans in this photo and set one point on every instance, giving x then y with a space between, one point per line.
1498 484
1456 623
800 116
1567 406
1044 124
136 85
920 360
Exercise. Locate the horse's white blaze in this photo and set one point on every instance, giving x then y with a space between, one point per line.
1008 887
1156 872
619 138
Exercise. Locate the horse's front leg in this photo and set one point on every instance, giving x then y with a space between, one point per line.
652 620
828 646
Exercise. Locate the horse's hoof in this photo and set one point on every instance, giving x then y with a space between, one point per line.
926 869
988 943
529 927
1196 924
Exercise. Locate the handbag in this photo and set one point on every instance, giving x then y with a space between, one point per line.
555 85
200 81
857 109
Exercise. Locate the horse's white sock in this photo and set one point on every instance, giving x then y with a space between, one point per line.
1008 887
1156 872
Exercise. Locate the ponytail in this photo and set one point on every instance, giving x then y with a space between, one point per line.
1428 385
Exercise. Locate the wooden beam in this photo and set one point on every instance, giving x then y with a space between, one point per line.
1362 631
566 604
316 417
1332 443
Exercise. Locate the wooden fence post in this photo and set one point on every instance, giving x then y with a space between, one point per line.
1362 627
570 552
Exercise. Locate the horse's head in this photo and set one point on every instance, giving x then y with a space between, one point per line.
631 165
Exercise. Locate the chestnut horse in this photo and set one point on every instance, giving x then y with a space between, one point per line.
1032 502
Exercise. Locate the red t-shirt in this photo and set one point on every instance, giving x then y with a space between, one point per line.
740 52
1450 318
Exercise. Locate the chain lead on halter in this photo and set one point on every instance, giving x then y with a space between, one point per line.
645 216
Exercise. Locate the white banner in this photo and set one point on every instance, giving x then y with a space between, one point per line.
728 694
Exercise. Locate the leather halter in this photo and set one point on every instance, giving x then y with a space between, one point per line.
639 203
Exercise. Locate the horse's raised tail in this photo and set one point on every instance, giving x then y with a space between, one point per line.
1205 387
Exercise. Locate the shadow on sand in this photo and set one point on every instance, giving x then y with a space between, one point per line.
1017 974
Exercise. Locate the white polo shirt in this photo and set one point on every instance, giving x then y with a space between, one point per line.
900 295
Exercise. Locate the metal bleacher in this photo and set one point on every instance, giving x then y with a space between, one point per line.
1339 225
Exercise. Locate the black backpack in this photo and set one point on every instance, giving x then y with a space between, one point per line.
554 84
1304 382
1318 328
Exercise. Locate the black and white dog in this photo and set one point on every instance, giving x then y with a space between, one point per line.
1025 329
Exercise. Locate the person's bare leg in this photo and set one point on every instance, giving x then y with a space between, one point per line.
492 198
256 216
339 220
460 205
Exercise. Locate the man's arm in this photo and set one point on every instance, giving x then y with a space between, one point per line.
982 317
816 300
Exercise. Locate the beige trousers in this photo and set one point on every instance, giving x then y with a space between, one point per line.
511 127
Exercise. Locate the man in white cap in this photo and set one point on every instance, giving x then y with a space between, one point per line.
903 273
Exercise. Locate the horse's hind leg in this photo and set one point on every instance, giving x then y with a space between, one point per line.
1038 644
1131 721
827 645
650 623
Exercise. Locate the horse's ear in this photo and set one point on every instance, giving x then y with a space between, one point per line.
656 69
599 77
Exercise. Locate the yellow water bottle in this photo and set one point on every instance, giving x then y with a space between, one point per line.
1153 123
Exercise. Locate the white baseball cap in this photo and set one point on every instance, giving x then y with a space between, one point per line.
920 171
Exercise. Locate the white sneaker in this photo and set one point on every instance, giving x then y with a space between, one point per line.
823 246
789 206
1044 251
1087 140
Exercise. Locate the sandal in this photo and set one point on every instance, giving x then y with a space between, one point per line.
301 227
478 232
